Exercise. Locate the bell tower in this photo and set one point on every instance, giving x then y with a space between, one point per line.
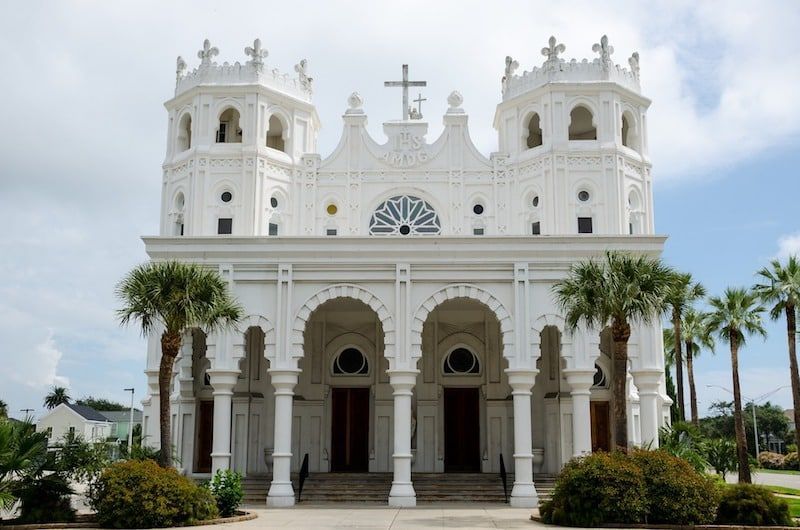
575 134
236 135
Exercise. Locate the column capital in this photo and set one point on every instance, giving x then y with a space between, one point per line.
521 379
403 379
580 380
284 379
223 381
647 380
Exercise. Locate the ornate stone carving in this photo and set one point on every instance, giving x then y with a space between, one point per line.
605 52
511 67
583 162
256 54
633 61
180 69
207 53
302 71
552 51
356 103
455 99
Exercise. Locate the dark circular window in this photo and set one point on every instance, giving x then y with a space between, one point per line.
226 196
535 202
350 362
273 201
405 230
477 209
599 377
461 361
583 195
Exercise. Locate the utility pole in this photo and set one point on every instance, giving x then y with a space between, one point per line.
130 423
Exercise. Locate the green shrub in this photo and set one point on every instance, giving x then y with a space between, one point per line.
44 499
226 486
748 504
140 494
721 455
790 461
769 460
676 493
597 489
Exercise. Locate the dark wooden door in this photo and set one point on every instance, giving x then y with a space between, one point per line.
205 436
462 442
601 426
350 429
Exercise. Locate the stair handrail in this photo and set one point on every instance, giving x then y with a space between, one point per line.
504 477
303 476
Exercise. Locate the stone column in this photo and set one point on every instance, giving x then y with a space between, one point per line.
580 382
648 382
222 381
402 492
523 494
281 493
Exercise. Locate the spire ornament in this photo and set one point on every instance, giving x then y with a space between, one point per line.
256 54
511 67
605 52
551 51
634 62
207 53
302 71
180 68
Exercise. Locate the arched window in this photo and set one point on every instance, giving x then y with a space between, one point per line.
180 204
634 213
185 132
404 215
350 362
580 124
626 129
275 134
461 361
229 131
600 380
534 132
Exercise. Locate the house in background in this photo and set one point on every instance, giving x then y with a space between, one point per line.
121 422
69 418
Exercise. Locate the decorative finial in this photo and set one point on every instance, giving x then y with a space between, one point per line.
256 54
355 101
302 71
180 68
605 52
455 99
207 53
511 67
552 50
634 62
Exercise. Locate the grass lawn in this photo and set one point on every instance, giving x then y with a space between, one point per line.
794 506
783 490
779 471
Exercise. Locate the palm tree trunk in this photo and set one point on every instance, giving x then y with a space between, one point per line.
791 331
738 420
170 346
676 326
621 332
692 389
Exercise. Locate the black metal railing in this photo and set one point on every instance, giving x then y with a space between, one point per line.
303 476
504 478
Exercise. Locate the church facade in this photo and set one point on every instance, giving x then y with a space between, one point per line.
398 295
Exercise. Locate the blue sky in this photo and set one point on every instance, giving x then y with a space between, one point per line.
80 154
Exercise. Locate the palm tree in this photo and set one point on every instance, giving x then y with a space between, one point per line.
57 396
621 290
780 288
174 297
733 316
696 336
669 363
682 294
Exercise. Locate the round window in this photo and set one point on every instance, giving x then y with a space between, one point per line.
405 230
477 209
226 196
583 195
535 201
273 201
331 209
461 361
351 362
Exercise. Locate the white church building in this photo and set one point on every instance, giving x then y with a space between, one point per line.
398 293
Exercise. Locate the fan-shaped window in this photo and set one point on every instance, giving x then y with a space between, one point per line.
461 361
580 124
600 380
534 132
350 362
185 132
404 215
229 131
275 134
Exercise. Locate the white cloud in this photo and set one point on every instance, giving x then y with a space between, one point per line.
789 245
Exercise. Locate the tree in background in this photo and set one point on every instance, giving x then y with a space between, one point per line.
696 336
3 409
682 293
618 291
101 404
733 316
57 396
172 297
780 287
669 363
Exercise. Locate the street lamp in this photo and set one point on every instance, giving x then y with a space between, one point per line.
130 423
753 401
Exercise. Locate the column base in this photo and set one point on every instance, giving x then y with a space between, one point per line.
281 495
402 495
280 502
524 496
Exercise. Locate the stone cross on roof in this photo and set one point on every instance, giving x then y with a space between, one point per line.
419 101
256 53
207 53
405 83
